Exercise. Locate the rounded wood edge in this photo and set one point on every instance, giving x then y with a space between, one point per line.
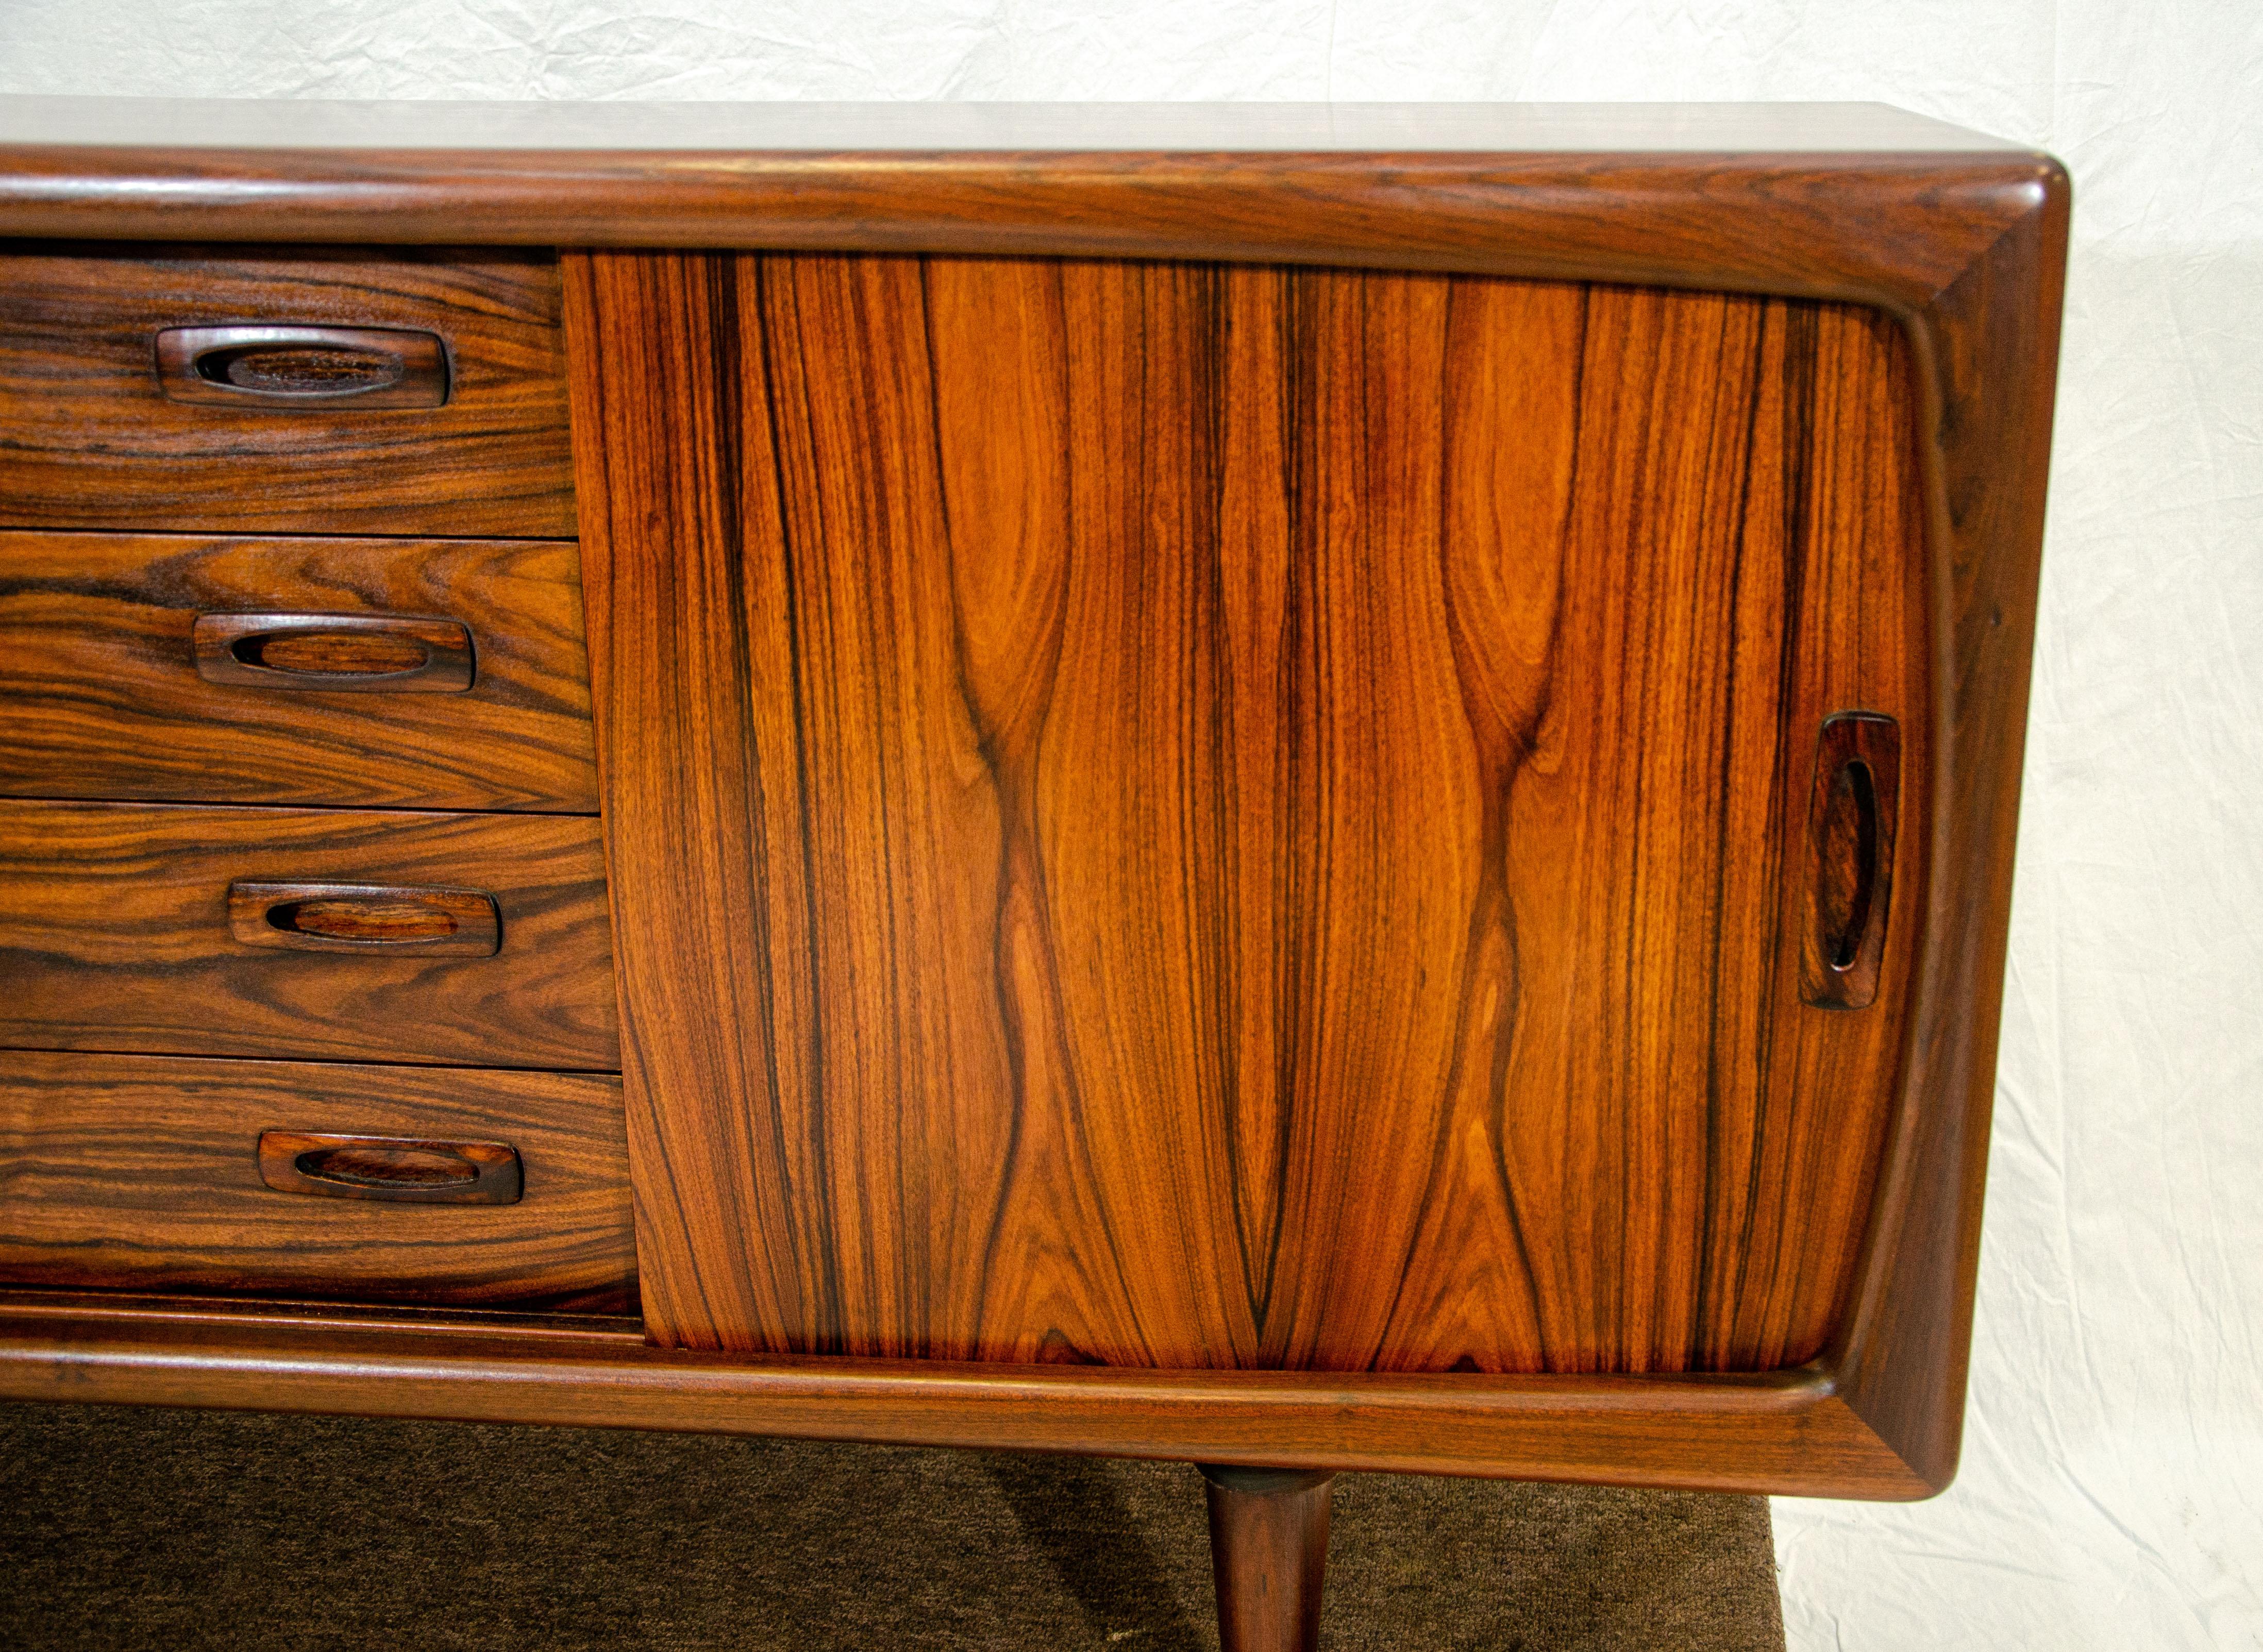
1985 351
1786 1433
1866 226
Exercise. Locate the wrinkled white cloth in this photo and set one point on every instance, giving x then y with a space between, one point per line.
2112 1494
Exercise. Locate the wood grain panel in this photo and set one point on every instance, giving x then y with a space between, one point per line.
98 674
115 936
139 1172
1237 817
93 441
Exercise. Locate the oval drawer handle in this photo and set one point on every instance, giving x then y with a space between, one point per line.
285 368
335 653
404 1170
386 920
1850 834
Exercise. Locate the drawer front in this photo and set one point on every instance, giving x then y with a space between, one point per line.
142 1172
105 691
118 933
125 409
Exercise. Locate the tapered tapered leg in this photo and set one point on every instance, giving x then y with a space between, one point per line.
1269 1547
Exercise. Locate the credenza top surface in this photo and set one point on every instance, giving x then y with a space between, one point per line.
1507 128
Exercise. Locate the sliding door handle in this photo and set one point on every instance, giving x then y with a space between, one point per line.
1852 813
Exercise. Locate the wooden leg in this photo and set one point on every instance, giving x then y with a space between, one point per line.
1268 1549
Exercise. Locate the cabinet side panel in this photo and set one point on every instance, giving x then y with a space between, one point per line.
1178 816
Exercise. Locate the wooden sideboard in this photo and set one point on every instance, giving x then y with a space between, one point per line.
1299 788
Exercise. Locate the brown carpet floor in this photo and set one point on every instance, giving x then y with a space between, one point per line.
173 1530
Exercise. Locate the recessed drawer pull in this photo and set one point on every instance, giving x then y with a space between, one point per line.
1850 832
386 920
274 368
406 1171
335 653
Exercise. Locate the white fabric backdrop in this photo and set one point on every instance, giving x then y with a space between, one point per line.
2112 1494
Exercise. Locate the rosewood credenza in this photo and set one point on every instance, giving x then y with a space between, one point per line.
1299 788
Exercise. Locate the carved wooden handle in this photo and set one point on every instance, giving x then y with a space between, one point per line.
386 920
335 653
280 368
406 1171
1850 829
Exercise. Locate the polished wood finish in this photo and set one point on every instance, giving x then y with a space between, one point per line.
108 642
1788 1432
335 653
1253 817
146 1173
398 1170
1268 1545
115 934
282 369
1987 348
1829 199
96 440
394 919
1958 241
